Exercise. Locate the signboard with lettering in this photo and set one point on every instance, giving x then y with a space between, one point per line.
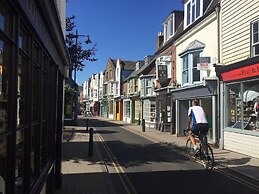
241 73
204 64
162 71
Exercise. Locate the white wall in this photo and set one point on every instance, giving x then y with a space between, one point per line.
205 32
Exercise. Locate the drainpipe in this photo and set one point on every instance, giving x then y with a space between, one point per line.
220 107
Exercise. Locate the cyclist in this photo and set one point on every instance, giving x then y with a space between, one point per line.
200 125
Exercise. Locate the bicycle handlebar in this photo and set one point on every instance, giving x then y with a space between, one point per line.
186 131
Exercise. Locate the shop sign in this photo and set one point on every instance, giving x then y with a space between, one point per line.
241 73
204 64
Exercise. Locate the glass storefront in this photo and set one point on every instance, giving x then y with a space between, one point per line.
242 100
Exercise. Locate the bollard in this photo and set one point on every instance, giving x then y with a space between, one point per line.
86 125
143 125
90 150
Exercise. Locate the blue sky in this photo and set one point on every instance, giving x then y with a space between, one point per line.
122 29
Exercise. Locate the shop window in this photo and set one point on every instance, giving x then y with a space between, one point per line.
5 55
255 38
242 101
149 111
127 108
111 107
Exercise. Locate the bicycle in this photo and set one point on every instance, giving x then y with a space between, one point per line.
204 153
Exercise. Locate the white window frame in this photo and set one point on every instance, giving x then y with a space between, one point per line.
254 43
191 15
169 28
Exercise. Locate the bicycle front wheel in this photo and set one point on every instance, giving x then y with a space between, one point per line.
207 157
189 148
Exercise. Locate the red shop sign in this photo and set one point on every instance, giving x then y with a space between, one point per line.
241 73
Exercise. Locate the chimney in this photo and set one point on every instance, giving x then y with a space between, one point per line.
159 40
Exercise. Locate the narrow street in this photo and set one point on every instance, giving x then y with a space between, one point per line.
139 165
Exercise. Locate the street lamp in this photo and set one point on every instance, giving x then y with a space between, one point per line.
87 41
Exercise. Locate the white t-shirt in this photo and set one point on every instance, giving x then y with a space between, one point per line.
198 115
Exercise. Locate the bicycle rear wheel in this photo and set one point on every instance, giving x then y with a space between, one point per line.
206 155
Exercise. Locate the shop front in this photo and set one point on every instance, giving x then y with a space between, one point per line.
33 61
149 111
239 108
207 95
165 111
127 104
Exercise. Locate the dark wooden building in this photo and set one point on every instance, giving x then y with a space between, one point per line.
33 59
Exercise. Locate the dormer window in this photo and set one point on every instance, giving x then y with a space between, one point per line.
169 28
192 11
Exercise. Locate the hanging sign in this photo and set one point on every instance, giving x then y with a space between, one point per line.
162 71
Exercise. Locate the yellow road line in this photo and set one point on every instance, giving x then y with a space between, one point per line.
126 183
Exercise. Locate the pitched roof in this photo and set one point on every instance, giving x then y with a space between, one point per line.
142 70
128 65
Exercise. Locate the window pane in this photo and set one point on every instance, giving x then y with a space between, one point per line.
35 94
19 164
196 75
5 19
4 62
188 14
1 21
251 105
234 105
2 163
23 41
185 62
185 77
34 144
255 38
198 8
256 49
193 13
255 27
21 90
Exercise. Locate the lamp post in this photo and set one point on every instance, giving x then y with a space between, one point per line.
87 41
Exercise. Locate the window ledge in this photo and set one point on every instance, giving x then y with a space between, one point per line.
242 131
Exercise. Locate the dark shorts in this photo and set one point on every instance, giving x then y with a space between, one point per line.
200 128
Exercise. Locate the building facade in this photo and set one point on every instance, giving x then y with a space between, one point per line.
238 71
33 61
195 54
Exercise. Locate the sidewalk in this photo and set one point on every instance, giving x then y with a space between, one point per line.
84 174
240 163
